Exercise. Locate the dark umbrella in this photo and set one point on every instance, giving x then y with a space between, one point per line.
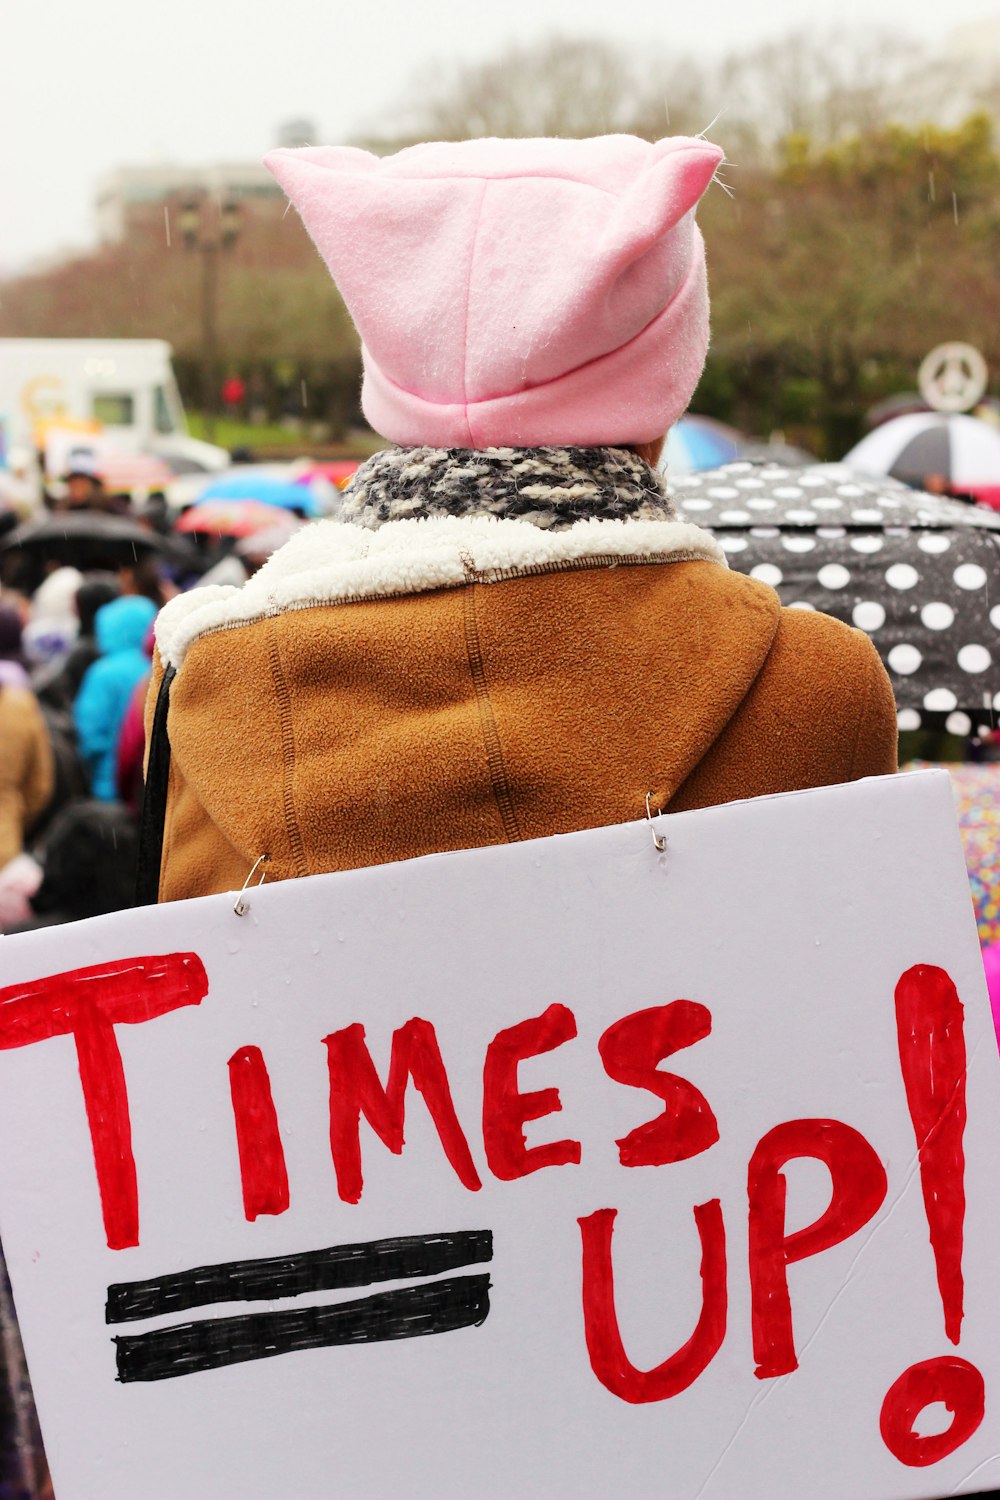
919 573
90 540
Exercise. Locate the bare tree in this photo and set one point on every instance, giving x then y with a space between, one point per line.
565 86
822 86
839 84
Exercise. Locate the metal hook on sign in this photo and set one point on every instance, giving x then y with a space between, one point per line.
659 839
242 906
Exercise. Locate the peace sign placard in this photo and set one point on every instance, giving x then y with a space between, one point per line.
953 377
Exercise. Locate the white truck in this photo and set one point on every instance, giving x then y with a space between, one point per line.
123 388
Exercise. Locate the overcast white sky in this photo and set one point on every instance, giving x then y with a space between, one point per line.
89 85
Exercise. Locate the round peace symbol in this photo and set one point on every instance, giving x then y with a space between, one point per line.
953 377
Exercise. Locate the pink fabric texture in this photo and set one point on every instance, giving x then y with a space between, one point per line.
515 293
991 963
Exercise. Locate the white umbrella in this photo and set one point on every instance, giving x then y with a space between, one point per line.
962 451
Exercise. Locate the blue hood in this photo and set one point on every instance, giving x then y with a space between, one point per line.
123 624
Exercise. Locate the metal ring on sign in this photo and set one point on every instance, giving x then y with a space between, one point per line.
241 906
659 839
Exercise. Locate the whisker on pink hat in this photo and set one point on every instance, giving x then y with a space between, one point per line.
516 293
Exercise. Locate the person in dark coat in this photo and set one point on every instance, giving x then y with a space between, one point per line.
12 668
88 860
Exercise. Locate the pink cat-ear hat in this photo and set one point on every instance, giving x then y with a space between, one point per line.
516 293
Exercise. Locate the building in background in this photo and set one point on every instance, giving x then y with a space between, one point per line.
149 199
144 199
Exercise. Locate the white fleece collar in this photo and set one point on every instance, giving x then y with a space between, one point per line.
334 563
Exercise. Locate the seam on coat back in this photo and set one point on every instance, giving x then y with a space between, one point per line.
538 385
287 754
487 719
274 611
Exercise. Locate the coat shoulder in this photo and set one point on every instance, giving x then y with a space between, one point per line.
846 689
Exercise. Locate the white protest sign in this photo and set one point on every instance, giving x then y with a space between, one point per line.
659 1227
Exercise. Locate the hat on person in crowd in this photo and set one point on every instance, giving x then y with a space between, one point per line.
81 464
516 292
123 624
56 594
54 624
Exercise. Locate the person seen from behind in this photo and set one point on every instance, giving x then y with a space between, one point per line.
509 631
26 773
13 668
121 628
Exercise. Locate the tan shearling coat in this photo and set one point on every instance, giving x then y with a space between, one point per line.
374 695
26 768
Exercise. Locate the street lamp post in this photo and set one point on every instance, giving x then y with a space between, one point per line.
209 232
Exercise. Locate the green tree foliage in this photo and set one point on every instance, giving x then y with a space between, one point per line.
846 263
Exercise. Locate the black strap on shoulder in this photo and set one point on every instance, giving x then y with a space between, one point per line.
154 803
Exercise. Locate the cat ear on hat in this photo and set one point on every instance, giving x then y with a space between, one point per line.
349 206
296 166
318 180
658 198
389 243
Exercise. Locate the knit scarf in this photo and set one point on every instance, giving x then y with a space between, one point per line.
549 487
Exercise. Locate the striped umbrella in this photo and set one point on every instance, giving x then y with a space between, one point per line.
227 517
961 452
121 471
336 471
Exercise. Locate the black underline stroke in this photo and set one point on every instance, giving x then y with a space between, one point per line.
403 1313
329 1270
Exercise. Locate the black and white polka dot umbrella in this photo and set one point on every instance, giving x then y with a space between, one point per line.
919 573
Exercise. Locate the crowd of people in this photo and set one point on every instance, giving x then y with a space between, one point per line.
75 655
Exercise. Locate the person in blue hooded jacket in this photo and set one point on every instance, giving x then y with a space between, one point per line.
121 629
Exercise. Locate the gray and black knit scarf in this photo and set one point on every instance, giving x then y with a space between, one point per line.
548 487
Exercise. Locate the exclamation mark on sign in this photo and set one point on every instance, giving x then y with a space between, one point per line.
931 1034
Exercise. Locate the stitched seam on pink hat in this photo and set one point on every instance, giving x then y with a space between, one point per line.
500 177
454 176
563 374
468 299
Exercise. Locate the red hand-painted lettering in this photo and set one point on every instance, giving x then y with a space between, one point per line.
608 1359
859 1188
506 1110
258 1140
630 1051
948 1379
88 1004
355 1090
931 1036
